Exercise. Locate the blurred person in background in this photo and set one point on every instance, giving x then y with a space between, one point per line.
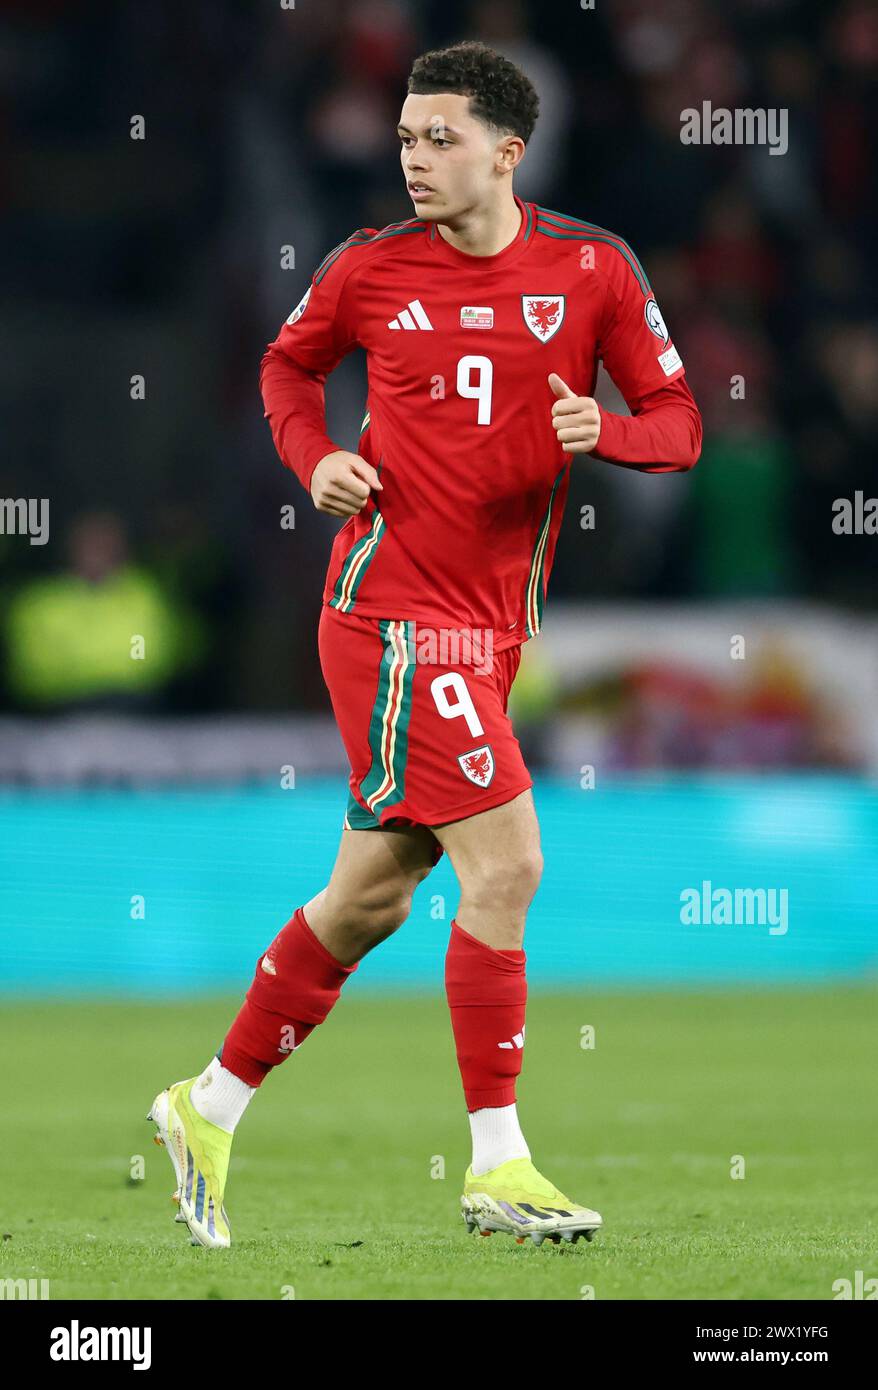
103 634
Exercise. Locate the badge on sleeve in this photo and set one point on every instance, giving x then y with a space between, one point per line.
654 321
670 361
301 306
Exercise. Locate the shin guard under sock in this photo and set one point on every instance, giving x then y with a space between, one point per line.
297 981
487 994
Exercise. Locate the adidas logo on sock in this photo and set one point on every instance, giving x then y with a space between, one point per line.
517 1041
416 319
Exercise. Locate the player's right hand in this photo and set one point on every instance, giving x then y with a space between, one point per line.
341 483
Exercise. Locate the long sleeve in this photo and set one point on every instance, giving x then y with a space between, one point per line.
319 332
661 435
296 412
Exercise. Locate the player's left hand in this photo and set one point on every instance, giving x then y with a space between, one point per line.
577 419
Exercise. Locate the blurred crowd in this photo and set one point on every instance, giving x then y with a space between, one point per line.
269 128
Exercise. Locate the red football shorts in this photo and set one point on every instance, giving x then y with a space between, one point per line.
423 721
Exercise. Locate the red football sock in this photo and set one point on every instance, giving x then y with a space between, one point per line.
487 994
297 982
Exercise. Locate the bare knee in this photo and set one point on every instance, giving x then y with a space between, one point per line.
505 884
371 914
384 908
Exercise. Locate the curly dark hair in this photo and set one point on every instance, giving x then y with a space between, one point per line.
501 95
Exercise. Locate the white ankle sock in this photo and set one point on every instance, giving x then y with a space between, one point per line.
497 1137
221 1097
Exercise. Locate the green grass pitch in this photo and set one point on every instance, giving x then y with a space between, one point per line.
332 1193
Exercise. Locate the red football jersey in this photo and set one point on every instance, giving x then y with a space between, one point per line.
458 418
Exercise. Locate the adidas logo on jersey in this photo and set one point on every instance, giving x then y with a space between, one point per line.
517 1041
416 319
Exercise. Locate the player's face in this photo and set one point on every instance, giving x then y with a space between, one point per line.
445 148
